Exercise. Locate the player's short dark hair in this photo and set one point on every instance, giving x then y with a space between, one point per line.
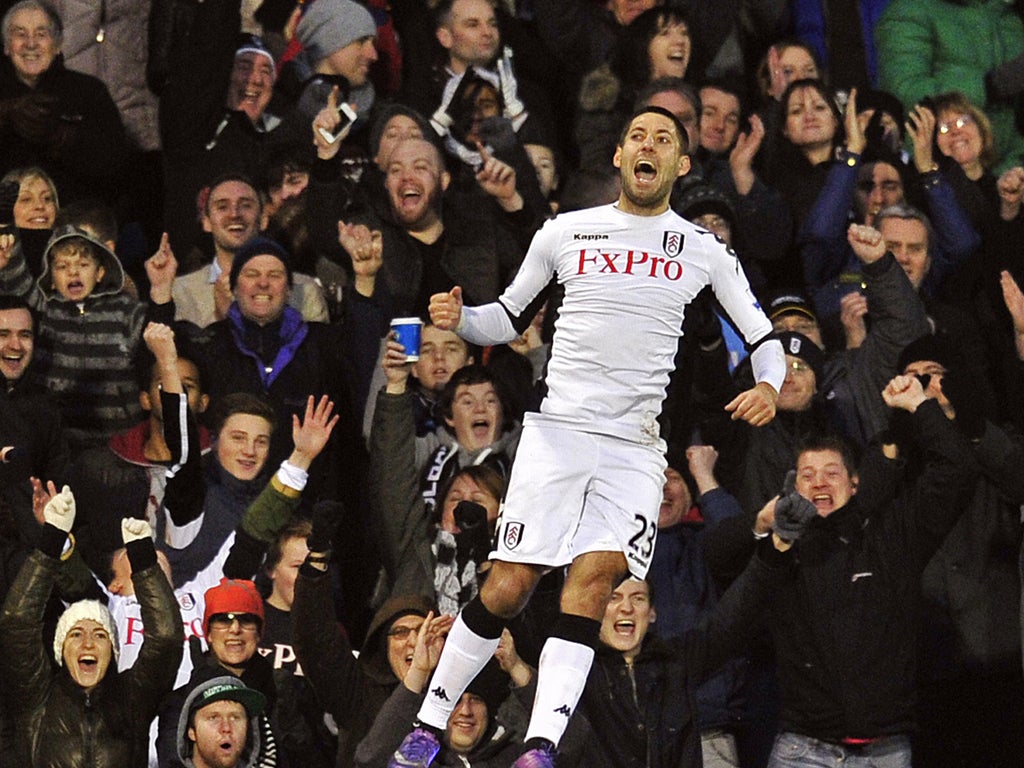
684 139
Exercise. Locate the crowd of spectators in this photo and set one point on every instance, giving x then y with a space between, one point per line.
210 213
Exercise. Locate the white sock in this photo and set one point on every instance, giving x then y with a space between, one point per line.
564 666
465 654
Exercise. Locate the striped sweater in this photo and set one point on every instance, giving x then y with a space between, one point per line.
85 351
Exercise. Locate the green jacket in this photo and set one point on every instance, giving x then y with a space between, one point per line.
927 47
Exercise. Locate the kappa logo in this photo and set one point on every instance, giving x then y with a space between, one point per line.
440 693
672 243
513 535
563 710
584 236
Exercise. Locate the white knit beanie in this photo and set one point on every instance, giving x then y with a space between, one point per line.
76 612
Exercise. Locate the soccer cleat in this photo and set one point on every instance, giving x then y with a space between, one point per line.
536 758
418 750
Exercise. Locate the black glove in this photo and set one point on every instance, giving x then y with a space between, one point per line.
454 93
473 539
327 516
792 511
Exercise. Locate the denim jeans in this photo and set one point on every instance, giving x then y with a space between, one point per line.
792 750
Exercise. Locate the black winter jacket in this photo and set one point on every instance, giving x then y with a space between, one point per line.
59 724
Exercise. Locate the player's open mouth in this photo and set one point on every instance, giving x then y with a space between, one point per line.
87 663
822 500
645 170
481 427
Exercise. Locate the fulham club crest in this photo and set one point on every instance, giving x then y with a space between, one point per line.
513 535
672 243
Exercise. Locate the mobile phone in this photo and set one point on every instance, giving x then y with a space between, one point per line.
347 115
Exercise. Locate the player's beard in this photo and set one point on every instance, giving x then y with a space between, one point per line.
649 198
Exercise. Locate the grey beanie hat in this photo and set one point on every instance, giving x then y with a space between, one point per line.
329 25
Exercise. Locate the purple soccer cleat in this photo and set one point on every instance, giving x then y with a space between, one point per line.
418 750
536 758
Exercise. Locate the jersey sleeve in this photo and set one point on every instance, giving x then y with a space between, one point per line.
733 292
500 321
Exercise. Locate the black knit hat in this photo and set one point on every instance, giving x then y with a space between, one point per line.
700 199
259 246
930 348
491 685
798 345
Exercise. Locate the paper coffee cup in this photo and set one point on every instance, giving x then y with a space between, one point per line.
407 333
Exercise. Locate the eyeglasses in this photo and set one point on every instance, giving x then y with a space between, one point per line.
247 622
799 366
402 633
948 125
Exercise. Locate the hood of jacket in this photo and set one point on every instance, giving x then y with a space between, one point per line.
251 753
374 653
110 284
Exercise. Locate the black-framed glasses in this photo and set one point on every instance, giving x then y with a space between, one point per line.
401 633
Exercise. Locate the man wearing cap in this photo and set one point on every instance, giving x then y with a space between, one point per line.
232 623
853 378
265 347
339 43
232 215
218 726
214 116
83 710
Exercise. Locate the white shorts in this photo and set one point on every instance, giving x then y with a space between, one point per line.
575 492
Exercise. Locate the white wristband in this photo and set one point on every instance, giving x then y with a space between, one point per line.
292 476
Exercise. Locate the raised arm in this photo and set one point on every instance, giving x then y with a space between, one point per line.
152 675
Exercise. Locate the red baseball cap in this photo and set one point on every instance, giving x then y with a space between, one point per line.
232 596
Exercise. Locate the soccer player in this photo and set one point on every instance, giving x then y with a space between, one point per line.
587 484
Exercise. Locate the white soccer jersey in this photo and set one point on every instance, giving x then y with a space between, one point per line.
627 282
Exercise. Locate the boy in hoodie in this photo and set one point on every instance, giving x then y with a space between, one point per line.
89 329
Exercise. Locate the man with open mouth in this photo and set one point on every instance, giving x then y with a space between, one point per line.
218 727
587 484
